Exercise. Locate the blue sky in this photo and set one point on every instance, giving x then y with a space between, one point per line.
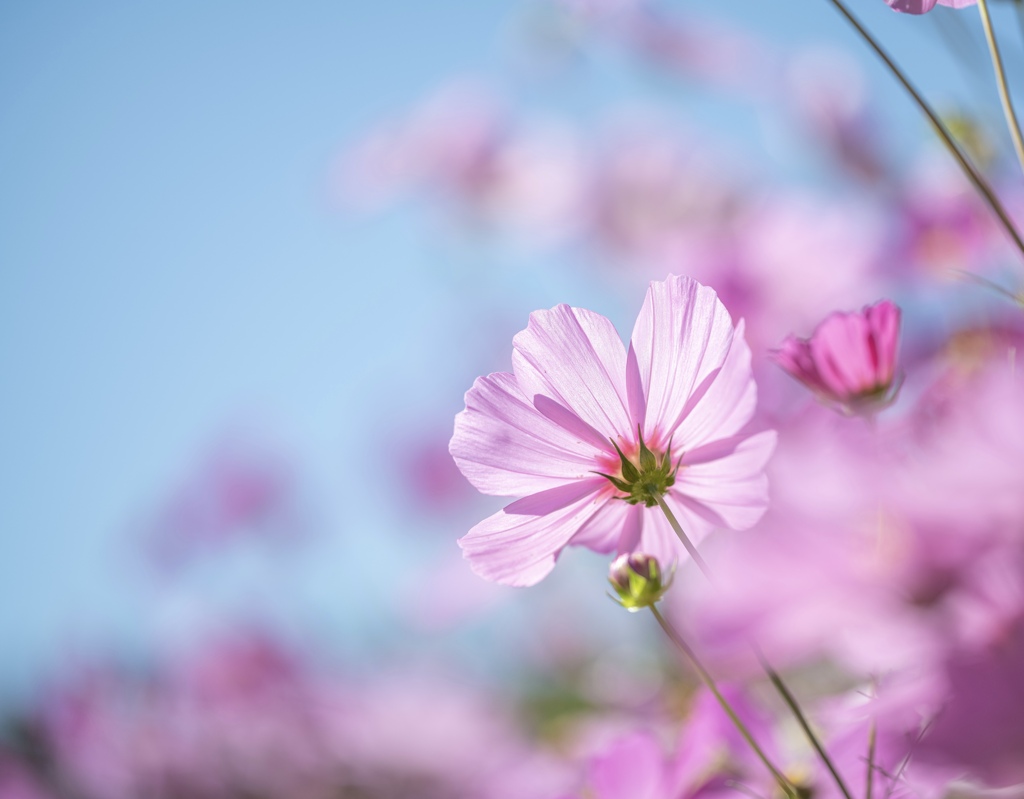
171 266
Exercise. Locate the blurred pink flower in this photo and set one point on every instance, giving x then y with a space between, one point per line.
850 360
17 782
827 93
708 757
779 241
924 6
240 489
248 717
636 767
941 224
462 146
650 189
582 423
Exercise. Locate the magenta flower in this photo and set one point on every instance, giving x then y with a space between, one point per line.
924 6
594 436
850 360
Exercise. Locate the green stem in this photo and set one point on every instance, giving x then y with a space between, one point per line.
773 675
709 681
794 706
972 173
1004 90
687 543
872 740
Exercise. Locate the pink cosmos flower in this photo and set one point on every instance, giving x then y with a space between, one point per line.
850 359
924 6
594 436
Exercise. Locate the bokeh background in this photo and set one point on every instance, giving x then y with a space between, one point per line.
247 273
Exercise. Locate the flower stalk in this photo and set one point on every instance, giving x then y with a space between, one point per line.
773 675
972 173
680 644
872 741
691 550
794 706
1004 89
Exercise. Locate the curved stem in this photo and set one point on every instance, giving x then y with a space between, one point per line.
706 677
773 675
984 281
972 173
1004 90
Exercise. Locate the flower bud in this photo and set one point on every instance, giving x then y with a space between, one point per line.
850 360
637 580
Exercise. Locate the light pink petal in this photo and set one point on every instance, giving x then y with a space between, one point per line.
615 527
636 400
660 540
696 520
724 403
575 357
683 333
504 446
725 481
570 422
519 545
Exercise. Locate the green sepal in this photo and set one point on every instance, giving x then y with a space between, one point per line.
629 472
648 460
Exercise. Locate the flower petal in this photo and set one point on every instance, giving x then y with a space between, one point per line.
659 539
724 403
842 353
575 357
725 480
912 6
504 446
884 322
519 544
615 527
632 768
683 333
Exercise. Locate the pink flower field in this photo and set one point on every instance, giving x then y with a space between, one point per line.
366 365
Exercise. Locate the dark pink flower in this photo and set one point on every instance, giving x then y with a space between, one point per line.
594 436
850 360
923 6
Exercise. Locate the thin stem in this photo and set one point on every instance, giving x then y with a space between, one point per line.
972 173
894 778
690 548
709 681
984 281
1004 90
773 675
794 706
872 741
